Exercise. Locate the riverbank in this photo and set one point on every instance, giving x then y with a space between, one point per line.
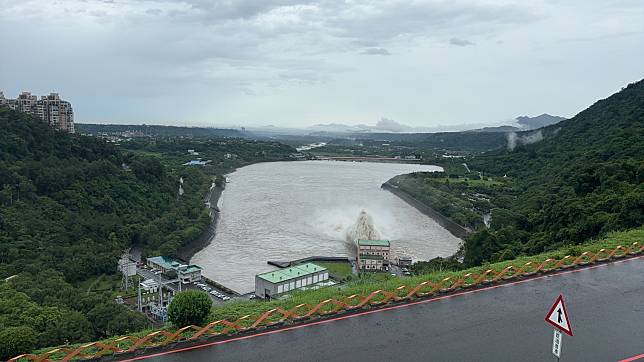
186 252
455 229
211 199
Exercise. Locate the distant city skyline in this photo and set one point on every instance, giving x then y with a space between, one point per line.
297 63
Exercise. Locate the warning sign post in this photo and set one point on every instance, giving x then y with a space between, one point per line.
556 344
558 317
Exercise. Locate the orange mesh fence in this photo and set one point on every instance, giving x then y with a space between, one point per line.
326 307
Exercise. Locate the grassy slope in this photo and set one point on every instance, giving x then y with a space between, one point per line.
339 269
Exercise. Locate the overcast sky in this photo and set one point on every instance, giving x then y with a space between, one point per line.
298 63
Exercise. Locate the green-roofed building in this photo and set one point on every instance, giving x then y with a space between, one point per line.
373 255
379 243
186 273
271 284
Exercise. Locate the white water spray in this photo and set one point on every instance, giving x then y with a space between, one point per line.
363 229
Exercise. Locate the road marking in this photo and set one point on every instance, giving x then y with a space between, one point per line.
465 292
634 358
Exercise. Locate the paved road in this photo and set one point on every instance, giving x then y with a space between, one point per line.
605 304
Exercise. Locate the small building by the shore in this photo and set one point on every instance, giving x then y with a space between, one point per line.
373 255
274 283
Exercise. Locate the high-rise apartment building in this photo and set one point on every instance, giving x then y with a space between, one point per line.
51 109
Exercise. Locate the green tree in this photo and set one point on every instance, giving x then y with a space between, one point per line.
73 326
111 319
189 308
15 341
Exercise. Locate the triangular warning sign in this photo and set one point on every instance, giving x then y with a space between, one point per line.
558 316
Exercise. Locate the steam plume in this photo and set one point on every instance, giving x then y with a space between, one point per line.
514 139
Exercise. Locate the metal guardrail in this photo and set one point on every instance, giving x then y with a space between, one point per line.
324 308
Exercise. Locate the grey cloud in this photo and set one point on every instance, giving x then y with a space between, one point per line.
208 10
192 48
154 11
460 42
251 43
364 43
98 13
376 51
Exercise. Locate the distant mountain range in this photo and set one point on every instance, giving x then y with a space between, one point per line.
538 121
524 123
385 125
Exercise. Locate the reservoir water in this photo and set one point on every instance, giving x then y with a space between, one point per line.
290 210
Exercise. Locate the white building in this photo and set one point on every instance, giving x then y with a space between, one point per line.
271 284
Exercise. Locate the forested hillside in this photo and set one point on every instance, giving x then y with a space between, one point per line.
579 179
68 209
582 180
69 206
451 141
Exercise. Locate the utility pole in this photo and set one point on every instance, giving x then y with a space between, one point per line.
139 298
158 275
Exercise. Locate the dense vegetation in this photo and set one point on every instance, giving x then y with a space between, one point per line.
582 180
462 196
70 205
191 307
450 141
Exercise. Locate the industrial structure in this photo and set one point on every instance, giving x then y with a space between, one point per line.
51 109
373 255
127 268
271 284
185 273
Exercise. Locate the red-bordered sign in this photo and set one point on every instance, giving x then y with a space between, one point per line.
558 316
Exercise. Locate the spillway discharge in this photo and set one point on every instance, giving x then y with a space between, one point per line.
363 229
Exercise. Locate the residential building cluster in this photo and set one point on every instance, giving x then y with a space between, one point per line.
50 108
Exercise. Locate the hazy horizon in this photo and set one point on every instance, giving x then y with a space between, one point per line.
294 64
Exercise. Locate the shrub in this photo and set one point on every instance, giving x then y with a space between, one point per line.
15 341
189 308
